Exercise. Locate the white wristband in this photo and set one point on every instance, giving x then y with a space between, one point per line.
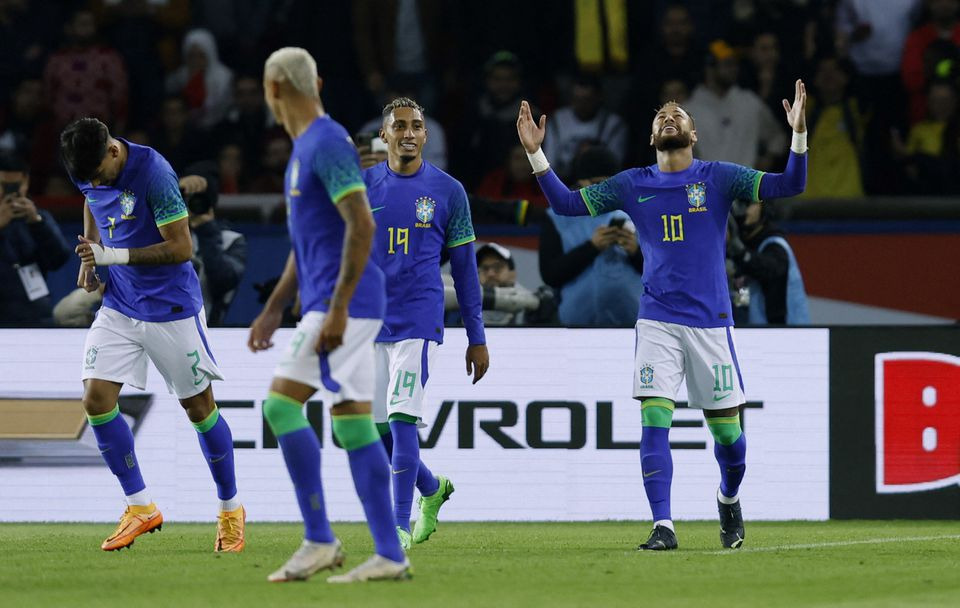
538 161
109 256
799 142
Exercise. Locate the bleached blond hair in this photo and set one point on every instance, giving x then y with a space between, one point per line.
296 66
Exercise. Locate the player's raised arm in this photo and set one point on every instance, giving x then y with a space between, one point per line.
793 180
561 199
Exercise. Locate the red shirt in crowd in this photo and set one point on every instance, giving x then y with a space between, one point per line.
89 81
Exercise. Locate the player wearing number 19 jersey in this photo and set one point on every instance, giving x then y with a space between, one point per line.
680 207
421 213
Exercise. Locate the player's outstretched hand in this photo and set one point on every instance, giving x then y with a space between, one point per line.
531 134
331 332
796 114
478 361
262 328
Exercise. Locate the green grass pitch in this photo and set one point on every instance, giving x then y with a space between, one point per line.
855 563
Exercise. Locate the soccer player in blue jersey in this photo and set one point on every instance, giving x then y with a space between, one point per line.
680 207
342 299
421 213
135 221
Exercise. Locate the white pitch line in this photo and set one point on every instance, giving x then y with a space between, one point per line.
842 543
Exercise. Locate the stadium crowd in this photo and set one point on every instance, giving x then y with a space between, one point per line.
184 77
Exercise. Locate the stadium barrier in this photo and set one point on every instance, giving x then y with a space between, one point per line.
550 434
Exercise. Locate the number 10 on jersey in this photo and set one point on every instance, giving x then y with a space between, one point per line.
672 228
399 237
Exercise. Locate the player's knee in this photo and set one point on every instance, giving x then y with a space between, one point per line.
97 402
283 414
725 429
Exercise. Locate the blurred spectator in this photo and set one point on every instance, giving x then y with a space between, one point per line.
400 39
835 127
584 123
676 54
921 155
512 181
919 65
247 121
673 90
86 78
173 137
26 129
31 245
732 123
494 117
219 254
505 302
28 30
764 260
764 75
273 164
231 167
594 263
435 148
204 82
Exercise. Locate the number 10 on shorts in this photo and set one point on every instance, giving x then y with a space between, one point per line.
722 378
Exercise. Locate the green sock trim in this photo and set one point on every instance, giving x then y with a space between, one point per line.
657 411
207 423
398 417
355 431
383 428
104 418
725 430
283 414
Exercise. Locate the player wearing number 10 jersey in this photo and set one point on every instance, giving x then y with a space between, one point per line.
421 213
680 207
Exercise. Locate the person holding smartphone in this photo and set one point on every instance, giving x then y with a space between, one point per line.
31 245
593 263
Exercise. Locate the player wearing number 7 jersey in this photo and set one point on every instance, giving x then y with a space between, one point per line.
421 213
684 328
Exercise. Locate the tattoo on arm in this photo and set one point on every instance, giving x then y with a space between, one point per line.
175 248
357 241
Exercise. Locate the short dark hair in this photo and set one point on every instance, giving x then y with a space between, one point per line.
693 123
83 144
400 102
13 163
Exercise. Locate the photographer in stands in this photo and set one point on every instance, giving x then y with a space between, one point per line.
761 255
219 254
594 263
31 245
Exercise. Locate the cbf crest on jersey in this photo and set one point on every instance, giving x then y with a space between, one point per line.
425 208
127 202
697 197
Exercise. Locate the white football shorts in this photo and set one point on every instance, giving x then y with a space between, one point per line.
667 352
402 371
346 373
117 349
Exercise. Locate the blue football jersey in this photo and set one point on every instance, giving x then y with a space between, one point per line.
681 220
418 216
128 213
324 168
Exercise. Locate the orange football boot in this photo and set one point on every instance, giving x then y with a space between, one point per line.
136 520
230 531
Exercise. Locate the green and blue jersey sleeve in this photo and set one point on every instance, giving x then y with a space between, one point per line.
739 182
459 224
164 199
608 195
337 165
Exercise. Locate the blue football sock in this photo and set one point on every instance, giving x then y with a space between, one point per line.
371 478
216 441
115 441
406 465
427 483
301 453
655 458
732 460
657 464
